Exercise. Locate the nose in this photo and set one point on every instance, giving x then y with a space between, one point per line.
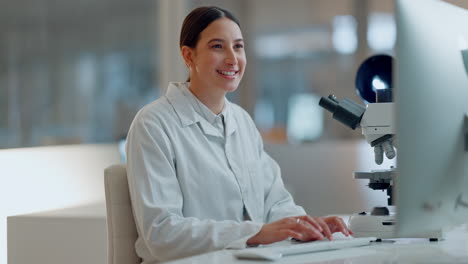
231 57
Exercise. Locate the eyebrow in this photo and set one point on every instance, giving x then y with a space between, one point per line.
222 40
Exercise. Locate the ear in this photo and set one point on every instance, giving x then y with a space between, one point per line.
187 55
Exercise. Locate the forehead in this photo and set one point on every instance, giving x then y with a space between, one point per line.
222 28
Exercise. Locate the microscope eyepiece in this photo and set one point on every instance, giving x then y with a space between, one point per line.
330 103
345 111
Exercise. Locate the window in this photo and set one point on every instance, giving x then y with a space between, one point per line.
75 71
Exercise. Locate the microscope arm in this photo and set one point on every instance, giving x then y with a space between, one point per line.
376 122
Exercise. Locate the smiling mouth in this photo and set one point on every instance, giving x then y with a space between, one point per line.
227 73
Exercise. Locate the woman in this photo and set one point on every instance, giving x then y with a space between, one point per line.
198 175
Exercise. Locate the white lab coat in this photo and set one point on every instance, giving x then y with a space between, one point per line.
194 189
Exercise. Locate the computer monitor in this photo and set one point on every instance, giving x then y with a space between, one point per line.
431 97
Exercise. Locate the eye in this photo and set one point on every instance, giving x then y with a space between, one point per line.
216 46
239 46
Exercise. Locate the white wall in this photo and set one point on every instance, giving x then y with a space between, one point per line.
45 178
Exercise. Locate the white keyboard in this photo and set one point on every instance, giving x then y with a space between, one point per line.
277 252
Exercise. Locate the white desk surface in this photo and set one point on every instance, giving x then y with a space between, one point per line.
452 250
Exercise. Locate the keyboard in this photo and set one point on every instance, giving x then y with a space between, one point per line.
277 252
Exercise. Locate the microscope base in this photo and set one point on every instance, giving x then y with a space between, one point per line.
383 227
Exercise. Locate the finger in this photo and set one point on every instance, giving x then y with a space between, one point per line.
350 232
289 222
342 227
288 233
326 230
312 233
312 221
306 228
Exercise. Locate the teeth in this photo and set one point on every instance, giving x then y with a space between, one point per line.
227 72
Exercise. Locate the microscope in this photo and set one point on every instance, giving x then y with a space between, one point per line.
376 120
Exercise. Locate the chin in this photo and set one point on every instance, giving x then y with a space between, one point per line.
231 87
227 85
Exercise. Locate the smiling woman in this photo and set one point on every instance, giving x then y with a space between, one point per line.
198 175
216 60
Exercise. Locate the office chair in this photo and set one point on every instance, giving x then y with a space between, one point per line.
121 228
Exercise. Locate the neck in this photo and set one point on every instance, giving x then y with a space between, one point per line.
213 99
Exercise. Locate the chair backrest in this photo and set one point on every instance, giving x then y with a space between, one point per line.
121 228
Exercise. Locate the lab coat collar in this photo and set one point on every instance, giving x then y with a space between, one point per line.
181 103
188 115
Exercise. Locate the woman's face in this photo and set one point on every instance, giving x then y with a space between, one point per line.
218 60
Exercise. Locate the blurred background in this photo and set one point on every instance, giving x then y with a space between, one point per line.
78 71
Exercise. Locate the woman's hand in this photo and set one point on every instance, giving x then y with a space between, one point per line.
305 228
336 224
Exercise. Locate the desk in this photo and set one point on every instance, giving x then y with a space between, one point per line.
45 238
452 250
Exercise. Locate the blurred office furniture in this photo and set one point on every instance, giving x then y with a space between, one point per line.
73 235
121 228
54 200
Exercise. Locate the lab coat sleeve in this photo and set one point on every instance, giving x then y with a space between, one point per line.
157 201
278 201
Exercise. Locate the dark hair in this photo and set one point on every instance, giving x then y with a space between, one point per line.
198 20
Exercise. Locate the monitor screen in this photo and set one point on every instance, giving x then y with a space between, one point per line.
431 97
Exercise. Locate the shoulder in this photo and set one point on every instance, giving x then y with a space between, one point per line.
240 113
242 117
156 113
